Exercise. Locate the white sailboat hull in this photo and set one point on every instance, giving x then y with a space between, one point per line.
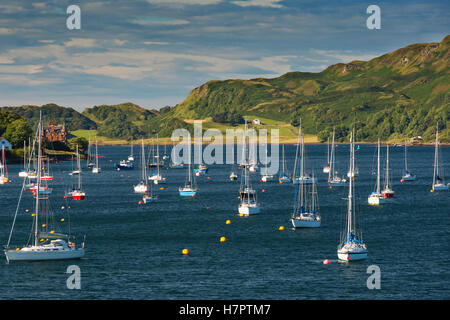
298 222
305 180
23 174
267 178
376 199
326 170
349 255
41 255
96 170
248 210
140 188
440 187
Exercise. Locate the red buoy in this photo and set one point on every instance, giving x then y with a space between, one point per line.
326 261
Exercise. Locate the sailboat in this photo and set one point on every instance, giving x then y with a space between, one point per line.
96 168
248 203
326 169
387 192
283 176
3 169
47 243
333 179
158 178
189 189
306 206
265 176
77 193
201 170
233 174
376 198
126 164
46 172
24 172
351 246
408 176
147 198
90 163
142 186
303 177
438 174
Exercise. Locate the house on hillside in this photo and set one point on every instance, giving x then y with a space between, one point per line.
54 132
5 143
256 121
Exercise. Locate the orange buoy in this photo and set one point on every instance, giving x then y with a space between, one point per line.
65 196
263 190
162 188
140 202
209 178
326 261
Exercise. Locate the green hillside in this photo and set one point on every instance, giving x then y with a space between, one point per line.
52 112
400 94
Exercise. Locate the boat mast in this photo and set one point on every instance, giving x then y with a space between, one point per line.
350 191
157 154
436 156
331 172
38 183
387 167
96 154
79 169
378 168
298 146
406 161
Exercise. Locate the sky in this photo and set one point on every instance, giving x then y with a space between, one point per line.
154 52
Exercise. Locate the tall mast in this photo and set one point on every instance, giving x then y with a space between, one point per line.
79 169
436 156
157 153
328 151
378 168
38 183
298 146
96 154
350 190
406 161
387 167
331 172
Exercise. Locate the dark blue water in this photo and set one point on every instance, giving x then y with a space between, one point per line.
134 251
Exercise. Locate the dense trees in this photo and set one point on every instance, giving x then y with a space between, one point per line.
14 128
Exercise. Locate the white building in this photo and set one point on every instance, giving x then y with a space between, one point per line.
256 121
5 143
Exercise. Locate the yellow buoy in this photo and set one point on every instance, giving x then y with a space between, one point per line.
62 220
53 231
241 214
44 225
228 222
431 190
185 251
17 249
162 188
223 239
33 214
281 228
42 240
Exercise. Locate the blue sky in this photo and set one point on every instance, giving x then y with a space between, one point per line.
154 52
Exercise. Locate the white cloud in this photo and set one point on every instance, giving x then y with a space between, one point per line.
6 60
259 3
343 56
80 42
5 31
155 42
185 2
21 69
